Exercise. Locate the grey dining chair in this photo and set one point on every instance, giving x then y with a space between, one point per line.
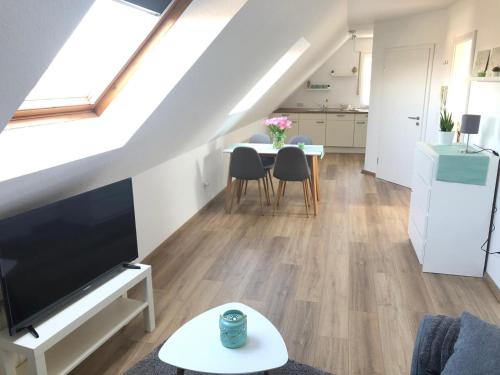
291 165
295 140
246 165
267 161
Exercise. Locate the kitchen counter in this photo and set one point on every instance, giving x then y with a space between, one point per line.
336 129
317 110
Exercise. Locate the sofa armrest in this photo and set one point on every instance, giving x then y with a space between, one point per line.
434 344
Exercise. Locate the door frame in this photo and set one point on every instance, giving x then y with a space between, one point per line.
428 89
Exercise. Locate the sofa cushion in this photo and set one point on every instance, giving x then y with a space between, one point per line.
476 349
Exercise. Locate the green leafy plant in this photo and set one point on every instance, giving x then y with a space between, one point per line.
446 122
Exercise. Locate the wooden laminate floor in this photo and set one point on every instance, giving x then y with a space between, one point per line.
344 288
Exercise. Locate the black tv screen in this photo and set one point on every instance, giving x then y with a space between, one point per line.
51 253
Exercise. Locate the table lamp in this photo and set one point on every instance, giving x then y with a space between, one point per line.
470 125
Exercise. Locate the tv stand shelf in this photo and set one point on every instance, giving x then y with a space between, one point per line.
76 331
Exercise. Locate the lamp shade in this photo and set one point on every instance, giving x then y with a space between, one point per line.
470 124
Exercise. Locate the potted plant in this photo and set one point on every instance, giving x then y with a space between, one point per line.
496 71
446 125
277 127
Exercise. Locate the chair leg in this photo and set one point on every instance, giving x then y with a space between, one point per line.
311 187
233 192
270 179
266 190
306 199
264 184
309 197
278 195
284 187
240 189
260 198
246 185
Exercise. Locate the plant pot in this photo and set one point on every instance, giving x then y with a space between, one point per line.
446 138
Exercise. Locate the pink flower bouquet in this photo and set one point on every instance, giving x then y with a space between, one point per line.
277 127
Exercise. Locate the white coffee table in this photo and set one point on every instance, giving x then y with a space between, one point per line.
196 345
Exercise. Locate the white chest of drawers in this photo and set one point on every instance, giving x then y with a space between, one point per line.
448 221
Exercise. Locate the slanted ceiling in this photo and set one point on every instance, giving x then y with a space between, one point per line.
193 113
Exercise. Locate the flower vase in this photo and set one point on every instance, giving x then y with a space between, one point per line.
278 140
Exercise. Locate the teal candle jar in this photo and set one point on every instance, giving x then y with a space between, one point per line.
233 329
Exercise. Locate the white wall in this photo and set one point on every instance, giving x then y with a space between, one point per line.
167 195
31 33
482 15
194 112
439 27
344 90
427 28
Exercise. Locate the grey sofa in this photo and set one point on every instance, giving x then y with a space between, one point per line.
462 346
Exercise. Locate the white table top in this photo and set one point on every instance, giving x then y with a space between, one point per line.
196 345
268 149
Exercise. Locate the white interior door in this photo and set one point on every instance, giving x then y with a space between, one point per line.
405 93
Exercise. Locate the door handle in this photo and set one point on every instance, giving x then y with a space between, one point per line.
414 118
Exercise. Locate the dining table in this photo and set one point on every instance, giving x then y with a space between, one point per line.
313 152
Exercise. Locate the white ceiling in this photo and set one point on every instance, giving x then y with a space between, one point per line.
362 12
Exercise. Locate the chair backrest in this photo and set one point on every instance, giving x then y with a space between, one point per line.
260 138
300 139
246 164
291 165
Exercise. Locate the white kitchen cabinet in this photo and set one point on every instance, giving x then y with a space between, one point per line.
449 221
360 128
346 130
339 133
340 129
314 126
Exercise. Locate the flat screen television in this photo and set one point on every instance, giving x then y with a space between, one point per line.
50 254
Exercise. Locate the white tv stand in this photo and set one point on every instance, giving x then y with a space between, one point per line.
76 331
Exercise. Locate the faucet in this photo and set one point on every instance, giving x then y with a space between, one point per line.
324 106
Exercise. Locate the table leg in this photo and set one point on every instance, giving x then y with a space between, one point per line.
36 364
149 312
180 371
228 190
314 178
317 177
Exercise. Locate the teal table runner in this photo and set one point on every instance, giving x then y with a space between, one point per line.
456 166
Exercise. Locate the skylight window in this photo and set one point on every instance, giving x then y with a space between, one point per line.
272 76
97 51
